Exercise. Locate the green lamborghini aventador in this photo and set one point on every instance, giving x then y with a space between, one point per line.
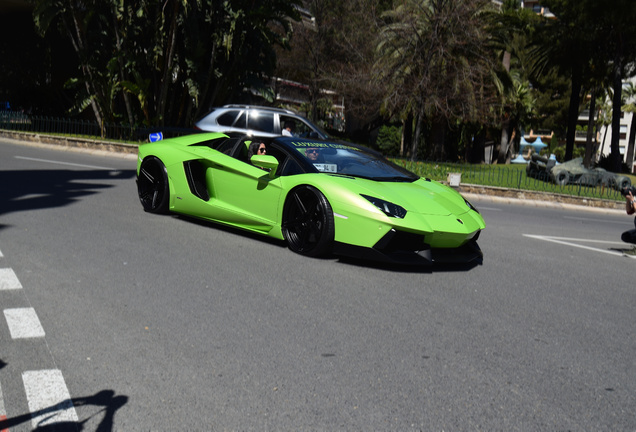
320 197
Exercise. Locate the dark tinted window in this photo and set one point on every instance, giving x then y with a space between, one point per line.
261 121
227 119
227 146
240 122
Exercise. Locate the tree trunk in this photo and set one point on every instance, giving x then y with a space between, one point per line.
505 140
590 141
407 134
167 67
418 134
438 135
573 112
629 158
615 155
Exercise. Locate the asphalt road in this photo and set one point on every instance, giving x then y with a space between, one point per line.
161 323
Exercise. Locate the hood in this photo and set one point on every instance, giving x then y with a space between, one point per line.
422 196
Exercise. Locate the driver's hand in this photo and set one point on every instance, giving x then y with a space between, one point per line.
629 197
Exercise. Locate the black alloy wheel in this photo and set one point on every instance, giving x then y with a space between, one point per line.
152 186
308 225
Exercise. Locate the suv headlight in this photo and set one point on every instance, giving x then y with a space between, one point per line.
386 207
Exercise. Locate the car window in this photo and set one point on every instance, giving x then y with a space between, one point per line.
298 127
241 120
291 167
227 118
261 121
227 146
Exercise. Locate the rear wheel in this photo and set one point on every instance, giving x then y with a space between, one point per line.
308 225
152 186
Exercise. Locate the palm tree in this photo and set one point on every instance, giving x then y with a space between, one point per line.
433 59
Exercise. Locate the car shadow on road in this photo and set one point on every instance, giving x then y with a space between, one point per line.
40 189
106 399
358 262
406 268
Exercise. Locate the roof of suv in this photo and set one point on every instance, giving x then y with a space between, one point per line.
258 107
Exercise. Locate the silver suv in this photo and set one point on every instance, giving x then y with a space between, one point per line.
259 121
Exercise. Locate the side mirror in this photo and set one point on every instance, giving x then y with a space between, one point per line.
266 162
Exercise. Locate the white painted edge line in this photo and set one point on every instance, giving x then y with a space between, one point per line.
23 323
64 163
8 279
48 398
570 242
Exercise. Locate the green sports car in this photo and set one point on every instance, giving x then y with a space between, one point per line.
320 197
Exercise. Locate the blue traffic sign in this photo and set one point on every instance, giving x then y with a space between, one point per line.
154 137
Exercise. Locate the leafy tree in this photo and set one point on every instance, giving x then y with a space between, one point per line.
587 37
433 59
176 58
511 28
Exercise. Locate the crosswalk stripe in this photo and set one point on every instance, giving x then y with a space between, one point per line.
48 398
8 279
23 323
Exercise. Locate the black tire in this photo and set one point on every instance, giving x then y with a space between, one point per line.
152 186
561 178
308 225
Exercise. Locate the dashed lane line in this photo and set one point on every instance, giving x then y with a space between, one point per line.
8 279
48 398
23 323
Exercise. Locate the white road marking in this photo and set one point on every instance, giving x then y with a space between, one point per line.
64 163
23 323
8 279
570 242
48 398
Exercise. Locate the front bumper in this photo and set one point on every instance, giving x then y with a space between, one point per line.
399 247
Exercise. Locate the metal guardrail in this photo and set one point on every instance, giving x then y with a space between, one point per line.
507 176
21 122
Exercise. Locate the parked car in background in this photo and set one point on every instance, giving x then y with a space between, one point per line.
258 121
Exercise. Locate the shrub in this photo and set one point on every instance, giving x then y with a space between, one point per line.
388 141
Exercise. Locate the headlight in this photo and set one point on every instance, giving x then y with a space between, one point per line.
470 206
388 208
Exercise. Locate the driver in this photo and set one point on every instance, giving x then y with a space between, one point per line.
313 154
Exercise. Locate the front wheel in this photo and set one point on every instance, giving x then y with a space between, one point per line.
152 186
308 225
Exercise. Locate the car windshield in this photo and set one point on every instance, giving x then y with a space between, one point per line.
337 158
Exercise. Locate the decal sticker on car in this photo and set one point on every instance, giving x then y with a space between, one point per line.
323 167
